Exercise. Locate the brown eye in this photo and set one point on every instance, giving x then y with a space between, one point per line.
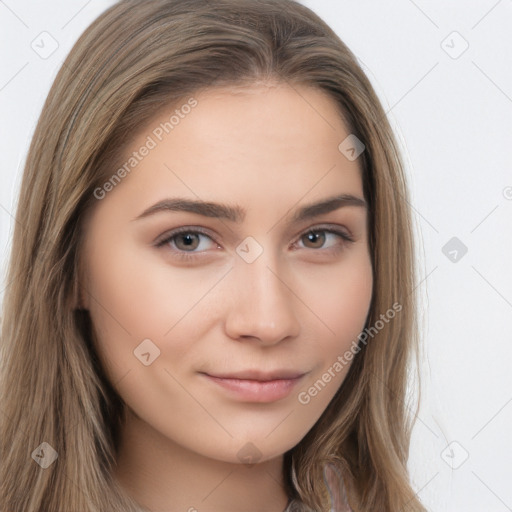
186 241
325 239
314 239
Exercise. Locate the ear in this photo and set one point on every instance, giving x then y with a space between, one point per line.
82 302
80 298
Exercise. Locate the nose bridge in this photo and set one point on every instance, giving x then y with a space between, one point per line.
262 305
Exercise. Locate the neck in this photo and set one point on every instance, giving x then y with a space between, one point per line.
162 475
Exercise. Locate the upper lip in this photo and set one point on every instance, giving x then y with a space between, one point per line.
260 375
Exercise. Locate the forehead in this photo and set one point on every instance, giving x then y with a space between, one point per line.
271 142
284 116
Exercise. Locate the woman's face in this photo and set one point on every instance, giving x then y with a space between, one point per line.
229 337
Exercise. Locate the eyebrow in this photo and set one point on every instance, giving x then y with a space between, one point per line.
236 213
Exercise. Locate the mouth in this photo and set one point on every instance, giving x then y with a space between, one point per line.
256 386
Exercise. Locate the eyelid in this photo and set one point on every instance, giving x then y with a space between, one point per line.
163 239
336 229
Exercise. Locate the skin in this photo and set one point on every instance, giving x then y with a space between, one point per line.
270 149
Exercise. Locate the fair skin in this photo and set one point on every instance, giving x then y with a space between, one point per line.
270 150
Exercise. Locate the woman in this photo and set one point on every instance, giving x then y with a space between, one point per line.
211 303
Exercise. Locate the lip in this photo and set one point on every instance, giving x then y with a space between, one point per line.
256 386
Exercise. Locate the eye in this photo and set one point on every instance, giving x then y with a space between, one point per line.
316 238
187 240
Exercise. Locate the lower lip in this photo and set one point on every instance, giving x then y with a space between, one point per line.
257 391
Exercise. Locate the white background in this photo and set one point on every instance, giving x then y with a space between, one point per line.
452 112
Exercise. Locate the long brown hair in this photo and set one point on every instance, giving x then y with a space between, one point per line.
136 57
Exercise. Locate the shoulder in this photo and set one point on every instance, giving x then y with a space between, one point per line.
337 494
337 490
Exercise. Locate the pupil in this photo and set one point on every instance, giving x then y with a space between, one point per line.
314 237
187 240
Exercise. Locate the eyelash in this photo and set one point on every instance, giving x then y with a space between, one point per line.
189 256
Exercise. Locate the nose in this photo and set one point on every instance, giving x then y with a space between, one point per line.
263 305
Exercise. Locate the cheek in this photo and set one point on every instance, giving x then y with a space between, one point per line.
136 295
341 305
340 298
353 301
